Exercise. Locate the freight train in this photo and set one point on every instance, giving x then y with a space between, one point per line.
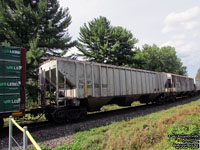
68 89
71 88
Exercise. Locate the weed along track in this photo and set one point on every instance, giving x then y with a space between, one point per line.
53 135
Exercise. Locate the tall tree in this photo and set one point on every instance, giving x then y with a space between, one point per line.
103 43
162 59
40 26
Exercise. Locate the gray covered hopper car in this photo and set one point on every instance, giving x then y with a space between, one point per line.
197 85
72 85
182 84
99 83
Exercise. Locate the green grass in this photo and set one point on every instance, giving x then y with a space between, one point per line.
148 132
27 119
115 107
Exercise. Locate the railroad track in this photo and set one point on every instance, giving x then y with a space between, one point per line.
45 131
144 109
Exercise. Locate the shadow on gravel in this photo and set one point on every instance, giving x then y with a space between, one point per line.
46 132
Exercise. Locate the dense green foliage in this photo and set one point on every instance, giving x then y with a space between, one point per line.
162 59
185 132
100 42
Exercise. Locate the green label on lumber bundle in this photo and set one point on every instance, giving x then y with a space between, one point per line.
9 103
12 101
9 86
10 69
10 53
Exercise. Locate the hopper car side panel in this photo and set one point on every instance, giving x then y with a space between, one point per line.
197 85
128 82
111 82
94 80
183 84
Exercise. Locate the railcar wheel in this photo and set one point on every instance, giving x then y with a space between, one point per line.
173 98
1 123
49 116
48 113
83 114
73 115
58 116
161 100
